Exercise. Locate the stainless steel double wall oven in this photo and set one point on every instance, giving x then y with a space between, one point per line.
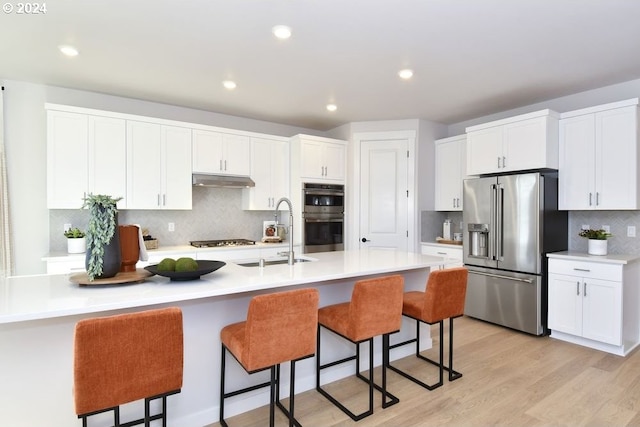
322 217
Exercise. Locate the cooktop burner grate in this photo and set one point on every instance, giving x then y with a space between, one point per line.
219 243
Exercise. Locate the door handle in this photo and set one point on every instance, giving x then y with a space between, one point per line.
364 240
500 276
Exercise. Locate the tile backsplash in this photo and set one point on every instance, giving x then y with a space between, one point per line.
217 214
618 221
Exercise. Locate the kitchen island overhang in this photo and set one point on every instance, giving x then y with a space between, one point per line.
38 314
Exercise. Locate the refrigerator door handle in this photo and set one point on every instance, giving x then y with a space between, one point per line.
499 222
500 276
492 223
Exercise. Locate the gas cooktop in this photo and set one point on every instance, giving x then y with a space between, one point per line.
219 243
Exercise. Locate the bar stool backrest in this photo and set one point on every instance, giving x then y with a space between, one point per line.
375 307
123 358
280 327
445 294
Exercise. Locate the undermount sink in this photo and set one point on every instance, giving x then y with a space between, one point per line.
270 261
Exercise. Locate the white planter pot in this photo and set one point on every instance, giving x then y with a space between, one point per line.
77 245
597 247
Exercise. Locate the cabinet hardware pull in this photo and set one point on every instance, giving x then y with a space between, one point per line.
441 253
498 162
500 276
504 162
164 200
590 199
220 164
582 269
597 198
158 199
578 288
585 289
225 165
454 202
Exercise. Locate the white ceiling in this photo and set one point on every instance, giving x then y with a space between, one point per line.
471 57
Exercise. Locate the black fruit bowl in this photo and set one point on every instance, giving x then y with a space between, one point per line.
204 267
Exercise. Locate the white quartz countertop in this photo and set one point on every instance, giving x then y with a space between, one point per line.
46 296
606 259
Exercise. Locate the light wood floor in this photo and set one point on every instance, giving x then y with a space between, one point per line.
510 379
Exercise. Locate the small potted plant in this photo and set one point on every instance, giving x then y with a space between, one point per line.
103 240
597 240
76 241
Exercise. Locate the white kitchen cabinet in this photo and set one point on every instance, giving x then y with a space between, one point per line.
586 303
85 154
158 166
599 158
320 159
270 172
450 171
452 253
221 153
528 141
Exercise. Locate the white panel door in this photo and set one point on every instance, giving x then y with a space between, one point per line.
602 302
107 157
576 175
176 167
383 194
144 173
565 304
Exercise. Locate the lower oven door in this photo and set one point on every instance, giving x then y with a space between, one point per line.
505 298
322 233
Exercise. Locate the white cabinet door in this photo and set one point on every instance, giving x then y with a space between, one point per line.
449 173
221 153
602 311
335 155
107 154
176 167
67 154
312 161
484 151
616 183
158 166
144 159
576 175
270 172
565 304
599 159
524 145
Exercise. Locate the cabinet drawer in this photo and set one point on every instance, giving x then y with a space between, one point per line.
586 269
443 251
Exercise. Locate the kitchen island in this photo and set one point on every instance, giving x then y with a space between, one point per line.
38 315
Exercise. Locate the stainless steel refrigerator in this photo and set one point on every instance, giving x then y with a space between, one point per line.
511 222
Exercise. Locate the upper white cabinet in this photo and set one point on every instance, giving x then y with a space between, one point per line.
158 166
599 158
221 153
270 172
450 171
528 141
320 159
85 154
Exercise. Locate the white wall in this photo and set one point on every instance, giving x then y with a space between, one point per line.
25 141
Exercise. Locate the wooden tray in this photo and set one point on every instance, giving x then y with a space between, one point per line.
137 276
449 242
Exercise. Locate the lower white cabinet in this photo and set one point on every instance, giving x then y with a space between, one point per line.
451 253
594 303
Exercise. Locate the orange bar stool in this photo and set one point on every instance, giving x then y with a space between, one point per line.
280 327
128 357
375 309
443 298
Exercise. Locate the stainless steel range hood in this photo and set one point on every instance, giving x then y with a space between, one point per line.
228 181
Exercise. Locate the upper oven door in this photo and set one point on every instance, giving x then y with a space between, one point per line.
326 199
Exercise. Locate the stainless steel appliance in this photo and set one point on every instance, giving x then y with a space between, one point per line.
511 222
322 217
221 243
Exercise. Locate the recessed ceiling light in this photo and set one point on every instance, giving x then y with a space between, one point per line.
229 84
332 107
281 31
68 50
405 74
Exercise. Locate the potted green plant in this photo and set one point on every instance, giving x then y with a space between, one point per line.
76 241
597 240
103 242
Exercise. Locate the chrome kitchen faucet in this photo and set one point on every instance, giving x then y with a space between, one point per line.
290 256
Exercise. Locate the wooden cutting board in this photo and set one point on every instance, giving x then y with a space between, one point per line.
449 242
137 276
